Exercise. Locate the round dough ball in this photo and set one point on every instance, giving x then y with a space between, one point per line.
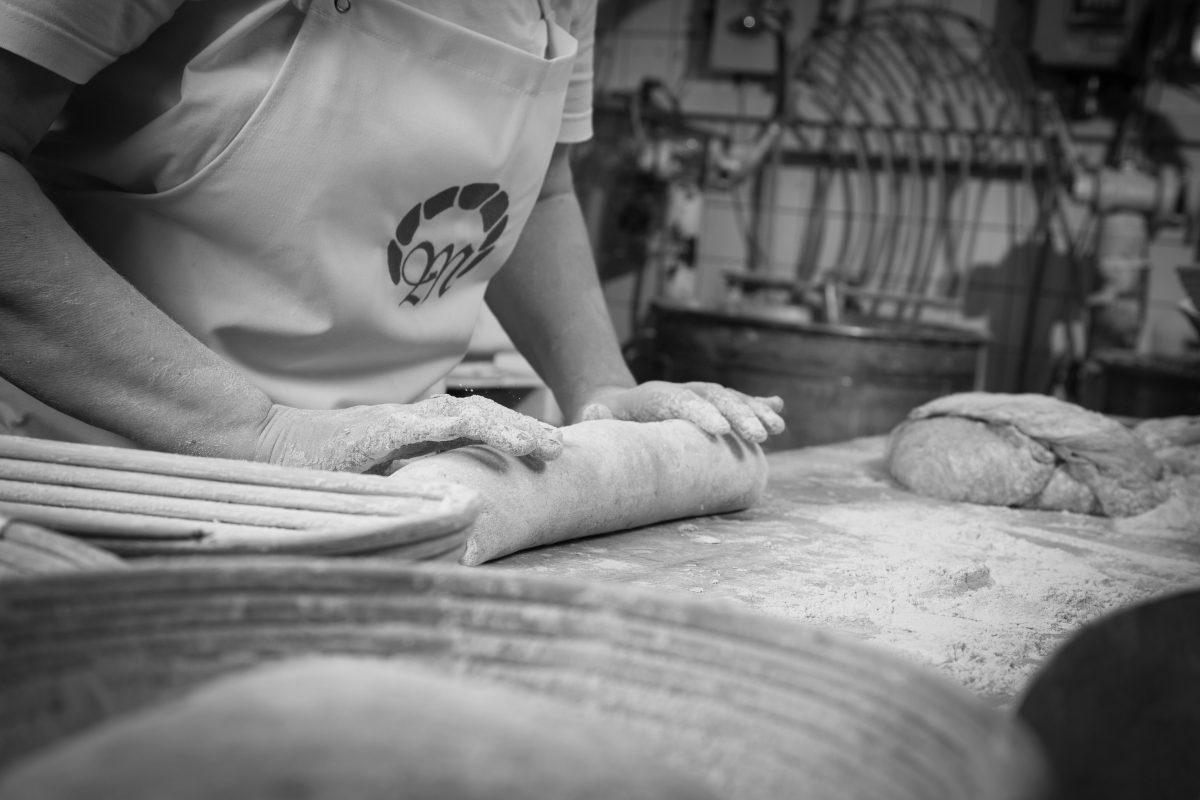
964 460
343 728
1088 454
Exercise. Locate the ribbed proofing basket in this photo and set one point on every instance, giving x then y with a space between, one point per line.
762 708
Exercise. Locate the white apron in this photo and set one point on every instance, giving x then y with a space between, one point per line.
338 248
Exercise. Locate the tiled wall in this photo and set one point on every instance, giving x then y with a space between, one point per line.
667 40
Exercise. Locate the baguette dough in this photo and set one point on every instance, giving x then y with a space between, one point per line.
1025 450
342 728
612 475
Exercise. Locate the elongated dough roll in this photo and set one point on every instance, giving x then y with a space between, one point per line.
611 476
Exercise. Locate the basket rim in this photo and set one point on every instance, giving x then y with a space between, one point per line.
24 599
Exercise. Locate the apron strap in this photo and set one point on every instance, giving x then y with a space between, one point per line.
548 18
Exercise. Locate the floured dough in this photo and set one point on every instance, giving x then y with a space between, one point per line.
612 475
1167 432
992 464
1181 460
1032 451
1175 440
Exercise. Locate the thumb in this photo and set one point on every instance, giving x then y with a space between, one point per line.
595 411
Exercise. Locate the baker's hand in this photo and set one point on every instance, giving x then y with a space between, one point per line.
360 438
713 408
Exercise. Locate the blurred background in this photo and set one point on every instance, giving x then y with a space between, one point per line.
863 205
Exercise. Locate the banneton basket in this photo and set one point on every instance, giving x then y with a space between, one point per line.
27 549
143 503
759 707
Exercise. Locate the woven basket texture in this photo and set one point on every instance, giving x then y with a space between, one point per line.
761 708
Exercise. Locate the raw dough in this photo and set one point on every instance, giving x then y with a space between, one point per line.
1000 465
1025 450
341 728
1181 460
1175 440
611 476
1167 432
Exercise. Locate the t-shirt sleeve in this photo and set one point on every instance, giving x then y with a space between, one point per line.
577 113
78 38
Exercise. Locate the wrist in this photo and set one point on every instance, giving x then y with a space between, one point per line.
230 427
596 394
269 433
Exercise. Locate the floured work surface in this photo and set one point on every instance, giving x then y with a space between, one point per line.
980 593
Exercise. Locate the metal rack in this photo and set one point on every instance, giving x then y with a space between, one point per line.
910 118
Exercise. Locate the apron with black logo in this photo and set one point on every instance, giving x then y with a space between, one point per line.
338 248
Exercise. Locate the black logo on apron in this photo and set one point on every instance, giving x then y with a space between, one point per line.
424 268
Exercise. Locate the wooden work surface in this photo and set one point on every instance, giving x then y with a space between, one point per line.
981 594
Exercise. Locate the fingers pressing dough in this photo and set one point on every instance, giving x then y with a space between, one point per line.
715 409
612 475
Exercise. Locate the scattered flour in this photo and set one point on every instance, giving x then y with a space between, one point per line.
982 605
980 594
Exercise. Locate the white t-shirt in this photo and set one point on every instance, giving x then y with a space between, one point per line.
132 56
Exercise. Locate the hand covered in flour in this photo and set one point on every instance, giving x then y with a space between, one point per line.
713 408
363 438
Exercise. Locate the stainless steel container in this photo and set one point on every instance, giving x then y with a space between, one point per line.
838 381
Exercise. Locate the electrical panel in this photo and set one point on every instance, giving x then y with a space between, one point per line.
1088 35
736 48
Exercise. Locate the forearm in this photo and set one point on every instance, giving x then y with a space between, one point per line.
81 339
549 299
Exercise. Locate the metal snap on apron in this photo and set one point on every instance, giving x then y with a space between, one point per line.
339 247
